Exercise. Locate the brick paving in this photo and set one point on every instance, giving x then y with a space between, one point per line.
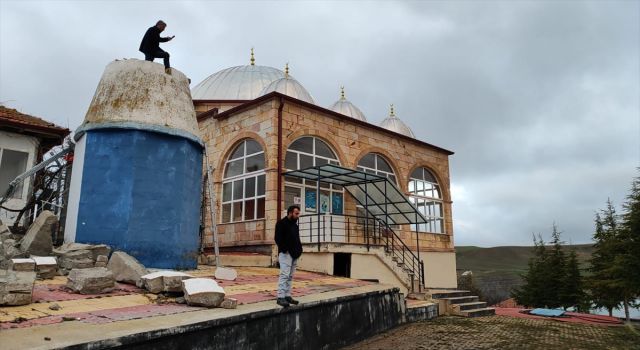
126 302
502 332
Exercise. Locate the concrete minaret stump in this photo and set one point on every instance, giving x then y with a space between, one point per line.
137 171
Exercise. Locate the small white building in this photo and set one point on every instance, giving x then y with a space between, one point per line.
24 139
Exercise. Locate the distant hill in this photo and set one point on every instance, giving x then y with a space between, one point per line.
497 270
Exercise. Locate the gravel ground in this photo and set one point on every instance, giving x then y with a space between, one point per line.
502 332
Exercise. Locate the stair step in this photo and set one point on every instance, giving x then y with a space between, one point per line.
486 311
441 294
471 306
462 300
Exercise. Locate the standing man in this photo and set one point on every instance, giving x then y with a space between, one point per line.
289 250
150 45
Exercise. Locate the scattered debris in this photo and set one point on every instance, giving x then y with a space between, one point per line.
38 241
16 287
229 303
126 268
55 307
9 250
163 281
68 318
47 338
94 280
180 300
22 264
81 256
202 292
46 266
226 274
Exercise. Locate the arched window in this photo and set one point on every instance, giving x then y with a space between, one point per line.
243 184
425 193
303 153
376 164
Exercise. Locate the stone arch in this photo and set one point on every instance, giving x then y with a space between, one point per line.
243 135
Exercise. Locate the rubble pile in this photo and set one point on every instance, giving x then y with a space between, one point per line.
125 268
163 281
46 266
202 292
16 287
81 256
38 239
95 280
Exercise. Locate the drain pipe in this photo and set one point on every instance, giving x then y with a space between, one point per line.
279 192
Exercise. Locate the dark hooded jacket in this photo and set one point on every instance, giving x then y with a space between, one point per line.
151 41
287 237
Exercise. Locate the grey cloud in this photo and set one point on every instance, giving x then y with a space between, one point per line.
539 100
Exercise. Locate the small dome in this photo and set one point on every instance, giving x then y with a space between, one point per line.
236 83
344 106
394 124
288 86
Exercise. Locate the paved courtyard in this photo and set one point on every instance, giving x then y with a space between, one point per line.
502 332
53 303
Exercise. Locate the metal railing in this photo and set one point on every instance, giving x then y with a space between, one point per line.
331 228
50 181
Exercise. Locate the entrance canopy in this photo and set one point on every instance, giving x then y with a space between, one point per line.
379 196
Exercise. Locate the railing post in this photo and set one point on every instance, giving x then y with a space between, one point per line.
318 205
331 228
423 283
324 228
366 215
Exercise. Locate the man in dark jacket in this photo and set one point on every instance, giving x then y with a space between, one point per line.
289 250
150 45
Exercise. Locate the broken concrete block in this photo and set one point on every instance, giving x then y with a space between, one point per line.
102 258
46 266
100 264
202 292
95 249
126 268
163 281
38 239
229 303
225 274
94 280
22 264
4 232
16 287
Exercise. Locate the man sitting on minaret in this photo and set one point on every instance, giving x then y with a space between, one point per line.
150 44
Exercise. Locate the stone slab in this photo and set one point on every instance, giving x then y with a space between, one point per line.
38 239
202 292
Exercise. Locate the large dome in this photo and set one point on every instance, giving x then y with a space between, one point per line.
236 83
393 123
344 106
288 86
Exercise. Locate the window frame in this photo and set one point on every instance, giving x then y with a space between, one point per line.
416 185
244 177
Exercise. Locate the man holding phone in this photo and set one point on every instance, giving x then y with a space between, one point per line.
289 250
150 45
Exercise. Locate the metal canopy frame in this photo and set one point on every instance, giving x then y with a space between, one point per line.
379 196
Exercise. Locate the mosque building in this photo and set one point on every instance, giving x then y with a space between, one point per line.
267 137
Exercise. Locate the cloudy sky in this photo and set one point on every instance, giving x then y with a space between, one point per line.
539 100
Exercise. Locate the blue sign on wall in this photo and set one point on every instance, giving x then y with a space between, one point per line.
310 199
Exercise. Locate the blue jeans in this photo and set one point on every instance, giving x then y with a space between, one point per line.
287 268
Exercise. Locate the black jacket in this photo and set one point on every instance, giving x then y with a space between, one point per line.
288 237
151 41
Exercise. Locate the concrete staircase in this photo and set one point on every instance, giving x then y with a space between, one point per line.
460 303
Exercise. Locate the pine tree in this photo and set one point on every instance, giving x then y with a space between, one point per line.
533 292
572 293
627 263
555 271
601 283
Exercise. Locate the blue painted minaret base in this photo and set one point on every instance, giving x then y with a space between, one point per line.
141 193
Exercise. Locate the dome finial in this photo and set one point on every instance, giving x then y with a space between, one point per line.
286 70
253 59
392 113
342 93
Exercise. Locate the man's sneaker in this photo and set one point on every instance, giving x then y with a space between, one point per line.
292 301
167 70
282 302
